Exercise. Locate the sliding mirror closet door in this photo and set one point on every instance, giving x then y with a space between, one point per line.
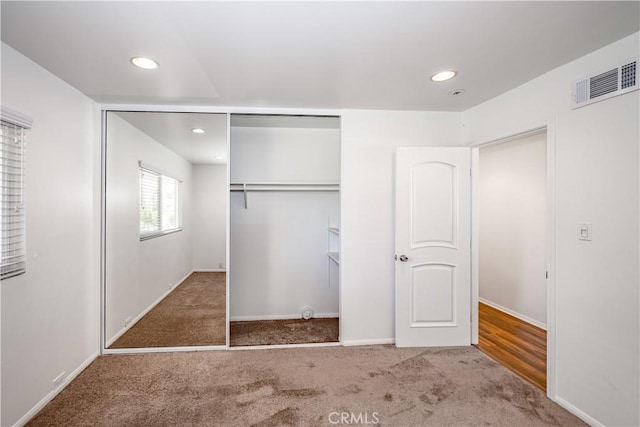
284 230
165 229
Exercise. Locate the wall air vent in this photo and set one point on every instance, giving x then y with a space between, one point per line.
606 84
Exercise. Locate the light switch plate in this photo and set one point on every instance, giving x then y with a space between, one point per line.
584 231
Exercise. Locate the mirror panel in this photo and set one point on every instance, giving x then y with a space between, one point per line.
165 229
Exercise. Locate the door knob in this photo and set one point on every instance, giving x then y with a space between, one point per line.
403 258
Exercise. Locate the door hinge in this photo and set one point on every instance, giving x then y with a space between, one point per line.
546 274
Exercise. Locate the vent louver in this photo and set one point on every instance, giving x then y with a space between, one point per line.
604 85
628 75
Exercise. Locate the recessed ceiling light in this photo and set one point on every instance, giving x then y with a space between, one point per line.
219 158
144 63
443 75
198 130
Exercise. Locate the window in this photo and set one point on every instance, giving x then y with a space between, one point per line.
160 204
12 204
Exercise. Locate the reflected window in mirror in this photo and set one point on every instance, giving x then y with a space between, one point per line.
160 206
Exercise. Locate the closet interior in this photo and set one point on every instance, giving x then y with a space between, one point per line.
284 229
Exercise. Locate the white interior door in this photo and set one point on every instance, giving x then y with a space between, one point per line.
433 239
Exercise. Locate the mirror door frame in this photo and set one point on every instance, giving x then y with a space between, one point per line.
228 111
105 109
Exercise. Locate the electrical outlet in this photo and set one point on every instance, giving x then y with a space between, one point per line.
57 381
126 322
221 266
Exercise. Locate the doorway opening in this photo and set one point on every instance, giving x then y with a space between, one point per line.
512 232
284 230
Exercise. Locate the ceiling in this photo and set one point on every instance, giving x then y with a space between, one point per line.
370 55
173 130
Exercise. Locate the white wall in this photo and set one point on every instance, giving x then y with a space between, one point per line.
260 154
597 291
209 217
369 141
278 245
140 272
512 234
50 315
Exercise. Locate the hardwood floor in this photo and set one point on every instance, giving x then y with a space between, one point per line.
516 344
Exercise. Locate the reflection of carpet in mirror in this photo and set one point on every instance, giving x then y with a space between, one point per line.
289 331
193 314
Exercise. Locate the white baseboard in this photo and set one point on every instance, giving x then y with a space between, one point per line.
145 311
377 341
277 346
144 350
209 270
514 314
578 413
280 317
49 397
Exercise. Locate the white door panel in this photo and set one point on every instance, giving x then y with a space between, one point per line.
433 212
433 219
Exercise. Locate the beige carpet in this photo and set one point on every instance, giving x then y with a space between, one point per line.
289 331
302 387
194 313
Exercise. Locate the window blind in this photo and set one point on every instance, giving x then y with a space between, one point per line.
160 208
150 219
12 203
170 203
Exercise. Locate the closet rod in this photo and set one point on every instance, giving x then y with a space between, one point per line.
288 184
246 187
